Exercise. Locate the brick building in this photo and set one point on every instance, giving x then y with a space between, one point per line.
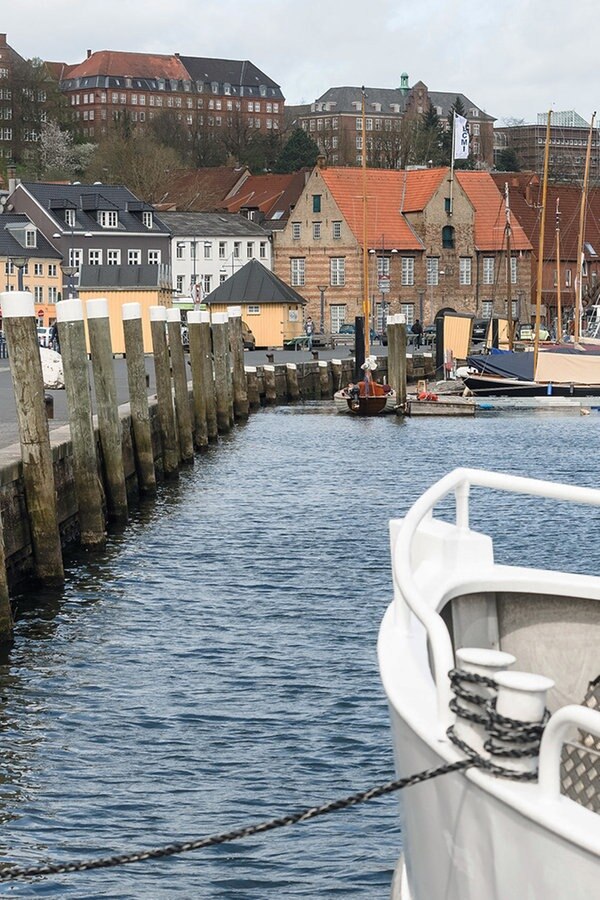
334 122
429 249
210 95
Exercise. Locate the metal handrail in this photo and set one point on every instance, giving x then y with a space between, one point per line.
555 734
459 482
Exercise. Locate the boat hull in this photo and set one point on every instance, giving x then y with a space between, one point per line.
365 406
489 386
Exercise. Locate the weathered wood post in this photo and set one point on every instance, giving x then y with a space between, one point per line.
6 616
392 336
109 423
164 393
199 382
88 487
324 378
18 321
220 334
208 375
253 392
183 412
270 384
138 396
291 379
401 359
238 376
336 374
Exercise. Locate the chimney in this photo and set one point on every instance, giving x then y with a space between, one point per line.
11 174
89 53
321 161
2 40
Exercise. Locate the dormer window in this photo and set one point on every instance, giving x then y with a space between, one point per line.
227 89
108 218
263 90
31 237
214 86
70 218
147 219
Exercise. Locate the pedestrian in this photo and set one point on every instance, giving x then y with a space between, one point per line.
53 337
417 330
309 327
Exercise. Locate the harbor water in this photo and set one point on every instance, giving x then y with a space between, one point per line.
216 666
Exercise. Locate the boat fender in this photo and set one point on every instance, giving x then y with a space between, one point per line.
427 395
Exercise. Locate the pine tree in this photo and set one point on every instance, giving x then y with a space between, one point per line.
299 152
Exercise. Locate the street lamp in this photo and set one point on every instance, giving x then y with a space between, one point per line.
19 262
69 272
322 288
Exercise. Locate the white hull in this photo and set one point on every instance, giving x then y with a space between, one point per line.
472 835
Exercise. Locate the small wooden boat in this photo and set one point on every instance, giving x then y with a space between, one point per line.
367 398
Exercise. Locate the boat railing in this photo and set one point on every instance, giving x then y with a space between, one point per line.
557 731
408 592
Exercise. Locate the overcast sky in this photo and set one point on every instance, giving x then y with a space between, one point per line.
512 58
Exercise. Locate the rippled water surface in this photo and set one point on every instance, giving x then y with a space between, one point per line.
217 665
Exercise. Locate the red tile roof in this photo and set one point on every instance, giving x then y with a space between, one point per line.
201 190
490 215
269 193
386 226
135 65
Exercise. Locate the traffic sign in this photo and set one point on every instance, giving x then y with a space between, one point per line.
384 284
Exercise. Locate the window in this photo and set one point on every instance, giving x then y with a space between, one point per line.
383 265
180 283
206 284
408 270
207 250
433 270
336 230
296 231
316 231
108 218
488 269
52 270
147 219
337 271
38 294
222 277
134 257
222 249
30 238
568 277
316 203
448 237
487 309
95 257
154 257
408 311
514 307
297 271
237 249
464 270
262 251
76 257
513 270
38 269
180 250
52 294
70 218
338 316
113 257
254 309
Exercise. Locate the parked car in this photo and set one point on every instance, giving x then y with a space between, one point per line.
480 330
527 332
43 336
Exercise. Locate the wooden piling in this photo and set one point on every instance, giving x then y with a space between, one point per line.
183 414
336 374
270 384
324 379
6 616
164 393
208 375
199 385
291 380
88 487
220 333
107 409
392 336
401 360
238 376
252 387
19 325
138 396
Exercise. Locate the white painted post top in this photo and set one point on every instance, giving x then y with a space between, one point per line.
291 366
234 312
322 363
174 315
400 319
69 310
131 311
220 318
158 314
97 308
250 370
336 362
193 317
205 317
17 304
390 320
268 368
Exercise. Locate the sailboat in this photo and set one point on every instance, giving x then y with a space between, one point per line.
367 397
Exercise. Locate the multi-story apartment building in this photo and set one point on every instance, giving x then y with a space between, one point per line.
30 263
334 121
208 248
210 95
569 134
433 244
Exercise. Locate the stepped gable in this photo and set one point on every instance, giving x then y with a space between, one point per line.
385 189
490 214
117 63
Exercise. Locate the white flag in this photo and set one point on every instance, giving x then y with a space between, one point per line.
461 137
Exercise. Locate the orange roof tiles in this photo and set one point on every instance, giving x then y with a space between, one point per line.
386 226
490 215
269 193
136 65
201 190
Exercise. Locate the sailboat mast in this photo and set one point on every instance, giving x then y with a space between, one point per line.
540 265
366 310
508 232
558 297
582 211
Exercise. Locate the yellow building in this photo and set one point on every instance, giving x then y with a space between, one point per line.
270 307
147 285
